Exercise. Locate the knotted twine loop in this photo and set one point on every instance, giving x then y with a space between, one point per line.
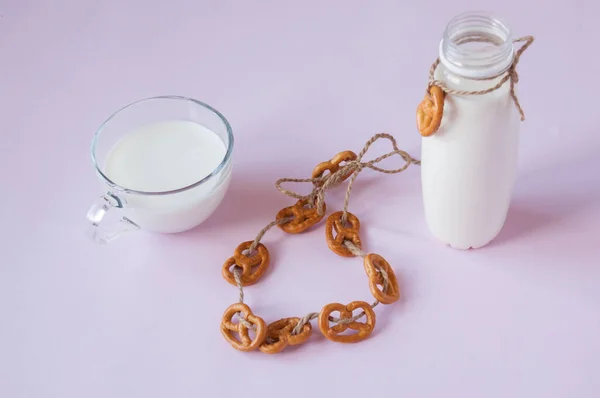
511 74
320 186
354 167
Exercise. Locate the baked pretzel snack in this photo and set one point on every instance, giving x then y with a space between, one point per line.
430 111
333 166
249 320
253 265
347 321
376 267
279 335
343 233
303 214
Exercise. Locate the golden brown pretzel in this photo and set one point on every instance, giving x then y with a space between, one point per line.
350 233
391 294
333 165
280 335
253 267
304 213
333 333
345 156
430 111
228 328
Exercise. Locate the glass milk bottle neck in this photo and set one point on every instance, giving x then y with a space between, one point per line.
475 51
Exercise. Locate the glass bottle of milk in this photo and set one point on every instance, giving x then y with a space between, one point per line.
469 163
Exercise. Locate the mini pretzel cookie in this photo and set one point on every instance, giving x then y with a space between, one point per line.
228 328
346 156
374 265
430 111
333 333
336 244
333 165
253 267
304 214
279 335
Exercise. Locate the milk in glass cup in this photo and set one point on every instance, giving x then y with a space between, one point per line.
164 164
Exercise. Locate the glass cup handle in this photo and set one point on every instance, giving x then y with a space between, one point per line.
104 232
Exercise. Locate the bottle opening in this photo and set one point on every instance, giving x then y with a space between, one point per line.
477 46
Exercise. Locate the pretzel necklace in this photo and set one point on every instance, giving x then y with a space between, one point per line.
251 260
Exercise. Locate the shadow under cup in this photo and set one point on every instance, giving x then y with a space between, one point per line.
178 209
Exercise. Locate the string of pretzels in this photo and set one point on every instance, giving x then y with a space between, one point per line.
251 259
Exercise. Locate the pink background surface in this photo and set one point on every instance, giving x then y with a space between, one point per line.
299 82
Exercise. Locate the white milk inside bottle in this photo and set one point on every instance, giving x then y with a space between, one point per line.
469 164
165 157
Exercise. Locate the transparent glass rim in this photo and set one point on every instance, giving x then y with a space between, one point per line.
465 62
213 174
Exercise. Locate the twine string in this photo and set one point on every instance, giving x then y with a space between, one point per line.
510 74
263 231
238 281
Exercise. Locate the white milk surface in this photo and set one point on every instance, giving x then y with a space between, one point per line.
163 157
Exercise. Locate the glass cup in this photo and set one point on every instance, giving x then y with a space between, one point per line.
122 208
